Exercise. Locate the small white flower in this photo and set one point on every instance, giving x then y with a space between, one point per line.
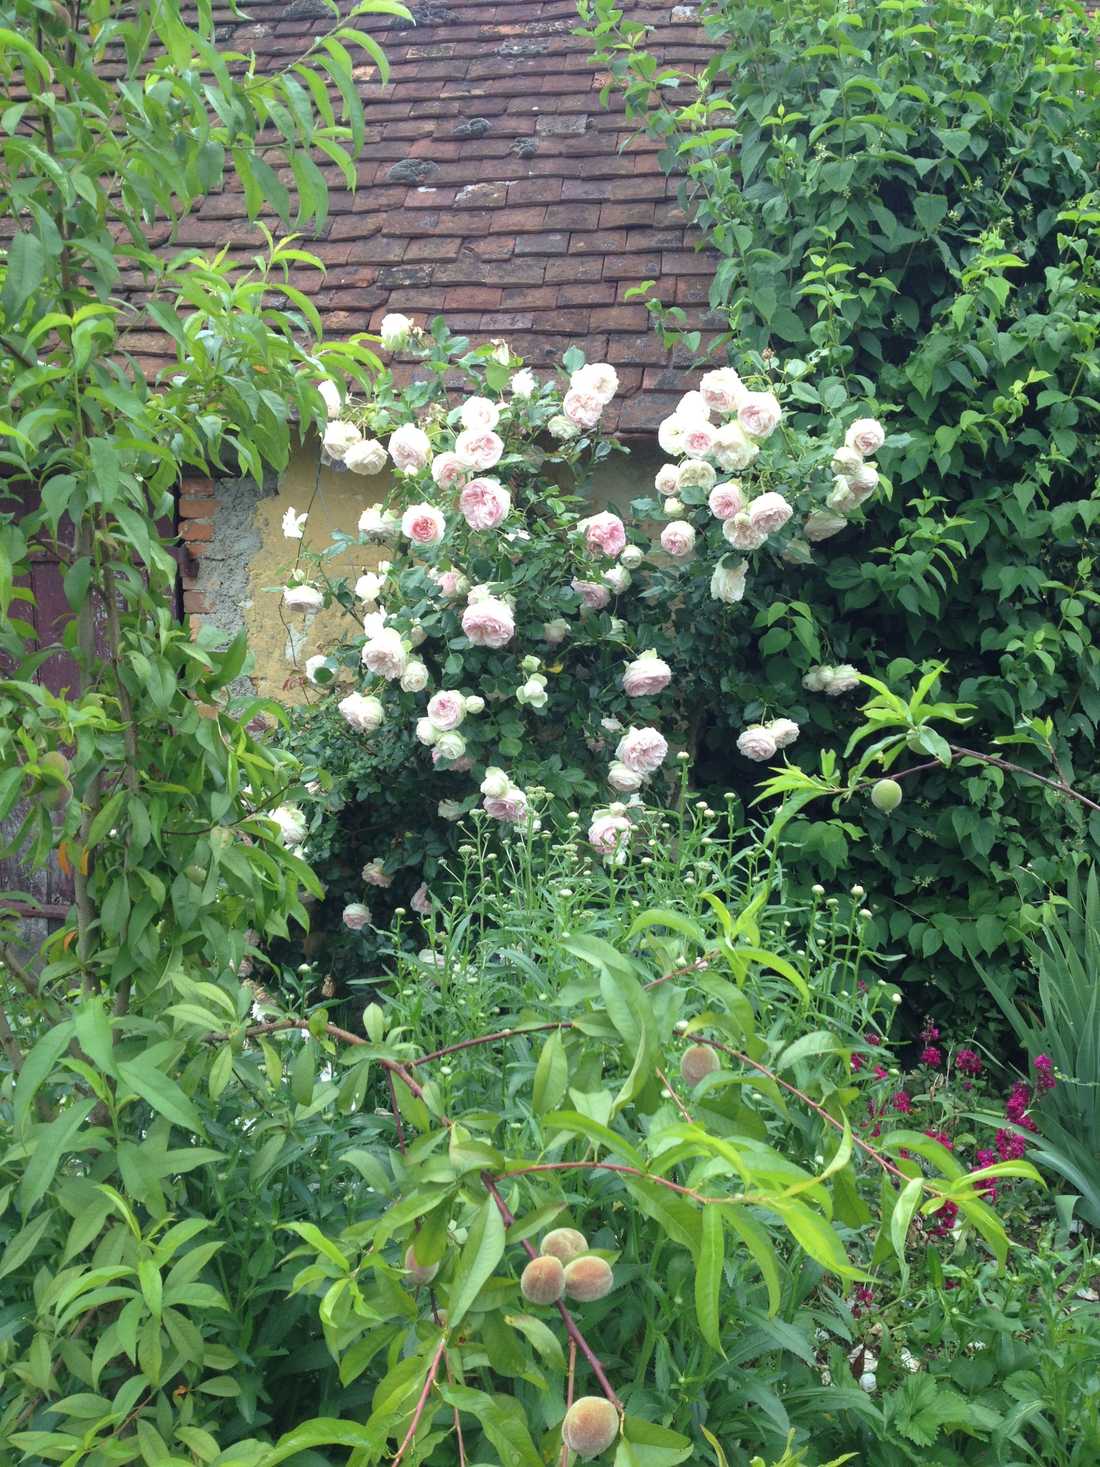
293 523
523 384
395 331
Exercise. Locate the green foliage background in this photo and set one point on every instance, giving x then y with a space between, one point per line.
907 193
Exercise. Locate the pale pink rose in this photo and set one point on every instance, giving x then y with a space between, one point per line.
409 448
484 503
678 539
451 583
847 461
733 450
594 596
420 901
583 409
623 780
479 447
448 470
726 500
784 731
756 743
668 477
600 379
842 498
479 414
642 749
822 526
759 413
510 806
356 916
866 436
693 405
423 524
330 396
338 438
385 654
769 513
374 874
646 676
699 439
368 457
609 833
728 582
864 481
841 679
722 390
605 533
556 631
446 709
489 623
742 534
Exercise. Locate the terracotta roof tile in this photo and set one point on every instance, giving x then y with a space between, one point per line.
493 187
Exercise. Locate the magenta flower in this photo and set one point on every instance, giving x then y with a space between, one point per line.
1010 1145
880 1073
968 1062
931 1056
1044 1072
857 1062
941 1222
942 1137
901 1102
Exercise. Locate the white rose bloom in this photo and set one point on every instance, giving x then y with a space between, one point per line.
555 631
330 396
865 480
475 705
363 712
728 582
415 678
693 405
722 390
756 743
338 438
618 578
797 552
395 331
303 598
449 810
815 680
523 384
841 499
375 524
450 745
496 783
560 428
668 477
293 524
695 473
631 558
866 436
291 823
313 664
673 506
426 731
841 679
533 693
822 525
369 586
733 449
385 654
373 622
784 731
479 413
624 779
598 378
847 461
670 434
366 457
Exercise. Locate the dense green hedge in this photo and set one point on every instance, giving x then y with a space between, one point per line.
905 193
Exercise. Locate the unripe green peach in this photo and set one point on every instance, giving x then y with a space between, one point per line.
588 1278
420 1273
195 873
591 1424
564 1243
543 1280
886 795
697 1062
55 761
56 795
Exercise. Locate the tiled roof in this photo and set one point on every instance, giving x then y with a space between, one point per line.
494 187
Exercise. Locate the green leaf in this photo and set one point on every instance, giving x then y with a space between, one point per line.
756 1240
157 1089
93 1034
541 1336
322 1431
49 1144
23 1244
313 1235
37 1066
645 1444
708 1276
26 268
813 1234
902 1216
302 1073
483 1250
551 1076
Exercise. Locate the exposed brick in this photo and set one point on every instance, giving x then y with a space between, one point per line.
517 221
193 508
194 531
196 488
470 297
542 244
195 601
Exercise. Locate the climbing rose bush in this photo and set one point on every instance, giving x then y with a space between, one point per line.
515 649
